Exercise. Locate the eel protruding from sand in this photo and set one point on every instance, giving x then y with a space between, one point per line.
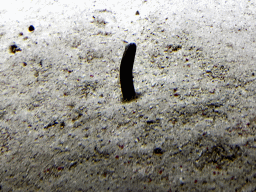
126 78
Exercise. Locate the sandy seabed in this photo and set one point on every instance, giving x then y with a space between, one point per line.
64 126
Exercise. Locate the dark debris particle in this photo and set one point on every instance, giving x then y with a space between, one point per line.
31 28
104 10
137 13
68 70
73 164
151 121
169 46
14 48
66 93
214 105
20 34
60 168
191 48
24 64
51 124
158 151
62 124
172 47
176 48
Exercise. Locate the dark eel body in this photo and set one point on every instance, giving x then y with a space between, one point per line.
126 78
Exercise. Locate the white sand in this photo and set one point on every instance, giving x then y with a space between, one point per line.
64 127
